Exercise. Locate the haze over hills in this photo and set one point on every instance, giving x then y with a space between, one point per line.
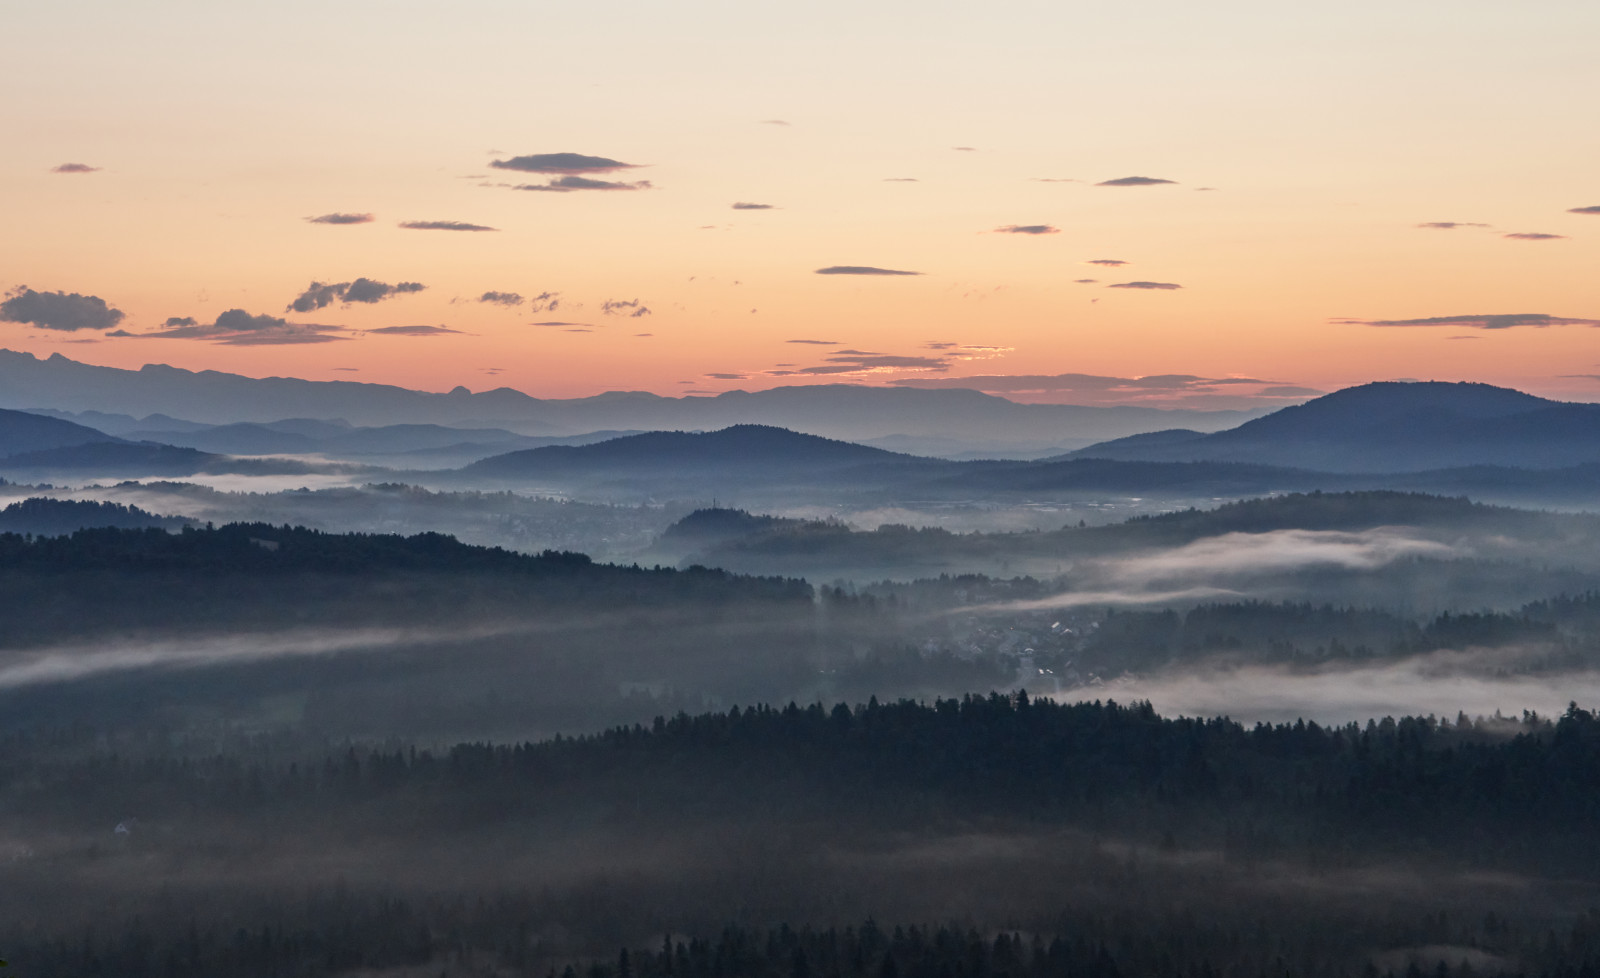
834 410
1390 427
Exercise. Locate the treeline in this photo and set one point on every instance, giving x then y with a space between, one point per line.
335 934
1493 792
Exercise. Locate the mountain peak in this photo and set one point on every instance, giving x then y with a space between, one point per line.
1393 426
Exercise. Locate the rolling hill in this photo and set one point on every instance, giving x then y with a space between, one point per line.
1389 427
741 451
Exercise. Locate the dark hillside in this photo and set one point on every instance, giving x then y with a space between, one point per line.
741 446
57 517
24 432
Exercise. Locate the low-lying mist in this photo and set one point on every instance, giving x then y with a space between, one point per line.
1442 684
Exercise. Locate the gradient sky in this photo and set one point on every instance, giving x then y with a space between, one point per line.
165 157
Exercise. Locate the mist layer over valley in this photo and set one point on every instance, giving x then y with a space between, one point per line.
758 702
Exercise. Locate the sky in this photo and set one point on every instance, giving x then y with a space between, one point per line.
1224 205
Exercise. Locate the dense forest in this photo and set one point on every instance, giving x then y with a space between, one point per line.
1058 840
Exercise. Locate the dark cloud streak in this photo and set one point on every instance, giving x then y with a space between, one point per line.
238 328
444 226
861 270
562 163
567 185
413 330
1538 320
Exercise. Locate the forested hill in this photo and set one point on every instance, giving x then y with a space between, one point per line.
253 576
743 447
43 516
261 548
1329 511
822 549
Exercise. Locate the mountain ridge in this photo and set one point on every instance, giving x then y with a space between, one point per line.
830 410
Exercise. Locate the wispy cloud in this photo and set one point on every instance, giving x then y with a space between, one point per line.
444 226
1155 286
862 365
1450 225
1492 321
1584 210
75 168
901 180
562 163
341 218
501 298
412 330
745 206
773 122
1108 262
862 270
1534 236
815 342
1133 182
320 295
557 322
65 311
1158 390
726 376
1028 229
850 361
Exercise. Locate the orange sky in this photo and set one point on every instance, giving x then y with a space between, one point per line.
1329 134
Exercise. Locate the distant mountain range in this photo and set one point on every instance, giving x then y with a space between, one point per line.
956 421
1462 438
1389 427
1469 438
